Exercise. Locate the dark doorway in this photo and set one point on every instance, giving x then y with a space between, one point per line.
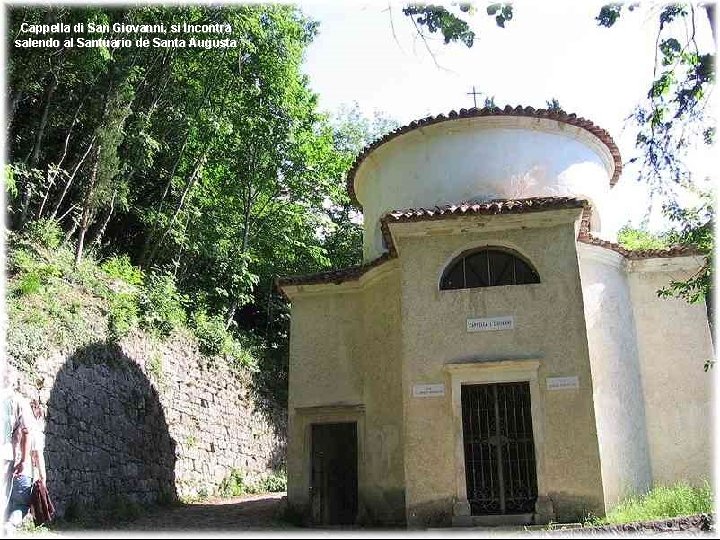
333 485
499 449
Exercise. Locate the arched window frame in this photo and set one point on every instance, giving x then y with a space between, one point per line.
462 257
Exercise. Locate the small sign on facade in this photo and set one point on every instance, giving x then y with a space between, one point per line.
563 383
428 390
491 324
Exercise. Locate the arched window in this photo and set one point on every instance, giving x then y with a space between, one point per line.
487 268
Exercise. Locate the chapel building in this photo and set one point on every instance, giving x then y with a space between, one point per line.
492 360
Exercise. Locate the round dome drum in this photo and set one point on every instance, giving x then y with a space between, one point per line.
495 155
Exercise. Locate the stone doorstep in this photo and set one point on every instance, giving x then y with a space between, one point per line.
499 520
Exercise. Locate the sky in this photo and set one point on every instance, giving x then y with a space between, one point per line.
368 52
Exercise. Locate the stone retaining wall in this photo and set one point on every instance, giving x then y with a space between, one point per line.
146 421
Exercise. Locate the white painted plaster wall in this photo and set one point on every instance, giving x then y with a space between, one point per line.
434 334
673 344
480 158
617 383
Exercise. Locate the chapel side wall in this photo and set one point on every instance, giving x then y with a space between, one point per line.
322 372
344 351
383 497
549 324
674 343
615 365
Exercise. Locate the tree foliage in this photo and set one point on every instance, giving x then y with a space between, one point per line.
210 169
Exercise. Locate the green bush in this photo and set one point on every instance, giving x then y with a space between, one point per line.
45 232
662 502
639 239
22 260
243 352
233 485
273 483
120 267
161 305
210 333
123 315
30 283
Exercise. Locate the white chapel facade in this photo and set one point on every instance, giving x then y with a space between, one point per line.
492 358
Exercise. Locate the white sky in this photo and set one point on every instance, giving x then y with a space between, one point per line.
548 50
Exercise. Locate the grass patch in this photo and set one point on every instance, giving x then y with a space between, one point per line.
661 502
54 304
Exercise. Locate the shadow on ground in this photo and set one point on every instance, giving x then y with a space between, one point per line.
259 512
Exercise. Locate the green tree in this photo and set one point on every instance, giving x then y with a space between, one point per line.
211 168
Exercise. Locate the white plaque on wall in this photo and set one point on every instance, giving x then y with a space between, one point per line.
563 383
491 324
428 390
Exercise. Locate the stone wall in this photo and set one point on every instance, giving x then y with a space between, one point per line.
145 421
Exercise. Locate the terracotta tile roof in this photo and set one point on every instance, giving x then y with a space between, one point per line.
341 275
495 206
635 254
449 211
557 115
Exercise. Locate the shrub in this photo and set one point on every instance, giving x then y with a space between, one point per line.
22 260
661 502
155 369
273 483
243 352
120 267
29 283
210 333
123 316
638 239
161 304
45 232
233 485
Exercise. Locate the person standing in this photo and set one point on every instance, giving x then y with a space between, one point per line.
15 418
37 442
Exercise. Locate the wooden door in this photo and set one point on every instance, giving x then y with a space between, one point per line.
333 486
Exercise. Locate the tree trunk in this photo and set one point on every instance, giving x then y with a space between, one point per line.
243 249
87 211
80 245
14 102
71 177
179 207
98 237
27 195
50 182
69 234
35 156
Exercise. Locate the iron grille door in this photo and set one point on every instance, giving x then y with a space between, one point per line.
499 449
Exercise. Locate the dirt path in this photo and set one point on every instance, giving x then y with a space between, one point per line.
239 514
243 513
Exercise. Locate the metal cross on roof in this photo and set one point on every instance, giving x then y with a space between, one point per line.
474 94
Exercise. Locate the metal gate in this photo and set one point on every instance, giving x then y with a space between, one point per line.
499 451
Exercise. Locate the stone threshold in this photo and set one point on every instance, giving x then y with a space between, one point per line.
498 520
